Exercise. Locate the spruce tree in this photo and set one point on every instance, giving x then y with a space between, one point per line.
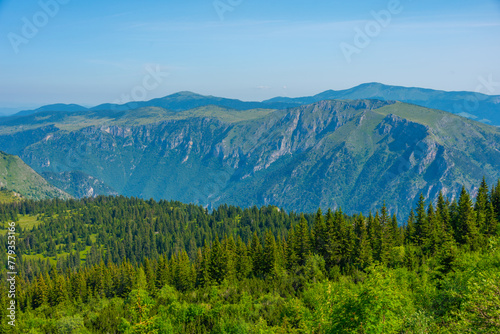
433 233
495 199
491 222
386 241
243 260
443 213
161 273
302 241
40 292
320 234
256 254
376 236
150 276
184 277
217 266
468 231
482 205
363 250
289 251
395 232
230 258
420 222
269 255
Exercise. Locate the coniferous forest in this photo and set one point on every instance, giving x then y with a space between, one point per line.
128 265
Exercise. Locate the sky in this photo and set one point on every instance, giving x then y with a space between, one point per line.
91 52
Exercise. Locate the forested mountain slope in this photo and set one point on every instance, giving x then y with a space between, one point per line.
126 265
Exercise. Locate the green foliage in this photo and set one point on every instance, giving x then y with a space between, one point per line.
380 304
257 271
71 325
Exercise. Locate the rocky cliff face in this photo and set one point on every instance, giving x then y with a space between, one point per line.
349 154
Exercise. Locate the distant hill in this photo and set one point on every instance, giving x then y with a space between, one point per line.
18 180
60 107
187 100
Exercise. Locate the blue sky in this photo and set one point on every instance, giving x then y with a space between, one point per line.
90 52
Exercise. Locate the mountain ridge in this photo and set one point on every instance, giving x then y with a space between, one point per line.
481 107
486 107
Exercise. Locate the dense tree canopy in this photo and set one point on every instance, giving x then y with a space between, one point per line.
116 264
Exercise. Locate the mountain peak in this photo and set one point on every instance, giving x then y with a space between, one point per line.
186 93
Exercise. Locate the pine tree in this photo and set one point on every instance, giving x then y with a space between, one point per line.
217 267
243 260
150 276
184 277
230 258
320 234
468 232
269 255
420 222
110 272
256 254
482 205
302 241
161 273
491 222
98 277
495 199
433 233
60 290
363 250
40 293
289 250
482 197
375 230
330 242
384 235
203 277
396 232
443 213
341 240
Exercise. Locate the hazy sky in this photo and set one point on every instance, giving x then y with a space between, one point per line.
90 52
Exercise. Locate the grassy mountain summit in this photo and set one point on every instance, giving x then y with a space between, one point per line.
349 154
18 180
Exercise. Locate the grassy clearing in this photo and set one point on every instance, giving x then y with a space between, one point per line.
28 222
53 259
25 221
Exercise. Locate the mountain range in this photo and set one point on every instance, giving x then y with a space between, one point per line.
298 154
477 106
